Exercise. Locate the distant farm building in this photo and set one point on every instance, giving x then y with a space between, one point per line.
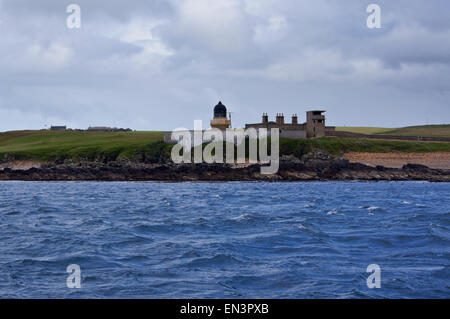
107 129
58 128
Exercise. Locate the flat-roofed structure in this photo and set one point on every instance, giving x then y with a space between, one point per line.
315 123
107 129
287 130
313 127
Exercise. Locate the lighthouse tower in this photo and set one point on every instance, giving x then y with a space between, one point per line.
220 119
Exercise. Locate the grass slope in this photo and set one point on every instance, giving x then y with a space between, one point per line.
424 130
339 146
107 146
363 129
49 145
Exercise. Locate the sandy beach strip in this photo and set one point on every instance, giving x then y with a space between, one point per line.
440 160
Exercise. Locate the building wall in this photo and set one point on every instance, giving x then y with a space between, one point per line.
270 125
58 128
286 131
315 124
293 133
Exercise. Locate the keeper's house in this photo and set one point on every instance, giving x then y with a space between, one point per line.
313 127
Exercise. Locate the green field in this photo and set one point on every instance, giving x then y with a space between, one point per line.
339 146
149 146
363 129
51 145
423 130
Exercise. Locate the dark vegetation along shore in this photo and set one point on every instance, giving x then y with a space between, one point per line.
143 156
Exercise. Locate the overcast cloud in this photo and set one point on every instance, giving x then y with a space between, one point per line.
158 65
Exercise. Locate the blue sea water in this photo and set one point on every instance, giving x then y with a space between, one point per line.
224 240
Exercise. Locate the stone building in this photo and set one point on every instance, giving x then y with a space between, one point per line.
107 129
58 128
315 124
313 127
289 130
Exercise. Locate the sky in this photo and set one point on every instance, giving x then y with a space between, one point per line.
161 64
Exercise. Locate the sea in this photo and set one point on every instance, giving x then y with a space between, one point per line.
224 240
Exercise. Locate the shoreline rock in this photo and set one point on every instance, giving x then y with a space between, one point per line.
315 166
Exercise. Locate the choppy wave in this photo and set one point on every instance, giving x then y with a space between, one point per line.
226 240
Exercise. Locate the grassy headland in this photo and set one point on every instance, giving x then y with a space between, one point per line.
363 129
46 145
339 146
423 130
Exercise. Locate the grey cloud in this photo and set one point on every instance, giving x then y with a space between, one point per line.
162 64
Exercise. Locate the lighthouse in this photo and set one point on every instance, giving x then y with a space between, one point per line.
220 119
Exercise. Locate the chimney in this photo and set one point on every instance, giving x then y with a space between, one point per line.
280 119
265 118
294 119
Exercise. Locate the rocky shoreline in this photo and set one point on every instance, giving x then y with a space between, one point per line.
316 166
